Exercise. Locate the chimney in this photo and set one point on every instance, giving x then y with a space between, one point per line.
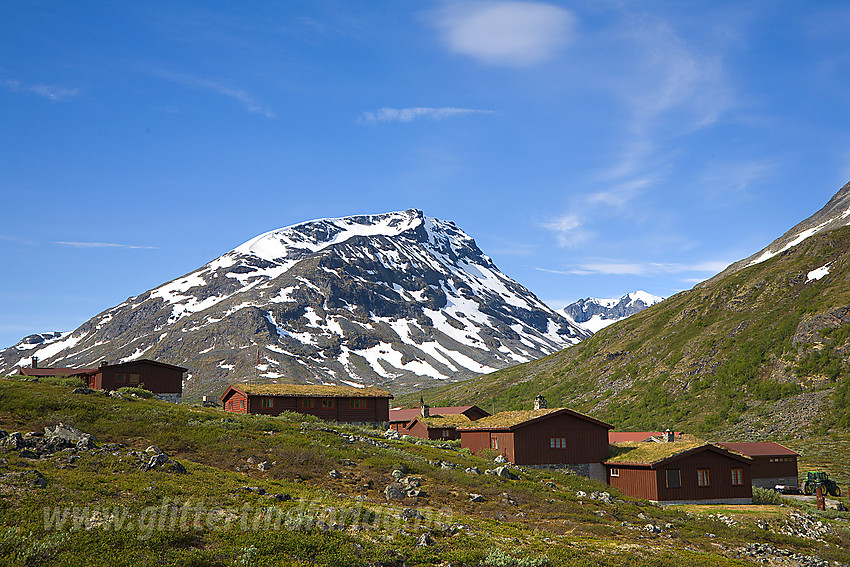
424 410
540 402
35 362
103 363
668 436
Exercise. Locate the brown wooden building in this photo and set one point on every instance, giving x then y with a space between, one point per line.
682 472
557 436
331 403
772 463
164 380
434 423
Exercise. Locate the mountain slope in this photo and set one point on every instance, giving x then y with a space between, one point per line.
594 313
835 214
764 351
398 300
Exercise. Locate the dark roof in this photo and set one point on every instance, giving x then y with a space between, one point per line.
655 454
323 391
412 413
58 371
148 361
511 420
760 449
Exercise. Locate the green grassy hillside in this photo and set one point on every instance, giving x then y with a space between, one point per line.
98 507
760 353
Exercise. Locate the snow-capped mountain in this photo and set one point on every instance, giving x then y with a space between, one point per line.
835 214
593 314
398 300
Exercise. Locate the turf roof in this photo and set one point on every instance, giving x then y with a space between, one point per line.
312 390
505 419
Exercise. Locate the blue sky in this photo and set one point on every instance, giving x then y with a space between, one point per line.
591 148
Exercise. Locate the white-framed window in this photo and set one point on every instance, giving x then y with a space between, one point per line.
615 472
703 477
737 477
494 443
557 442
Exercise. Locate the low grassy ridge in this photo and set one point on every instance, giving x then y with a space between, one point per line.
110 512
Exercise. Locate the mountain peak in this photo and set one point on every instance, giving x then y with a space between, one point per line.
595 313
398 300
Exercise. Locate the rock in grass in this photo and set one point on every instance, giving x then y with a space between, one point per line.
334 474
476 497
394 491
473 470
424 540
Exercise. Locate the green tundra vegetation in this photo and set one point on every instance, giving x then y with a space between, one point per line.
723 359
319 498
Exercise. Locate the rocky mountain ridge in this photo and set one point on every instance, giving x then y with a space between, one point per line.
594 314
397 300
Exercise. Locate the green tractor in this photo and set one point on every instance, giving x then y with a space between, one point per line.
820 478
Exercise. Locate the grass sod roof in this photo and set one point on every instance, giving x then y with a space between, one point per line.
508 419
456 420
311 390
649 453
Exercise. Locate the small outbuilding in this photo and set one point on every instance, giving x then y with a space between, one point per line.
772 463
545 436
331 403
679 473
434 423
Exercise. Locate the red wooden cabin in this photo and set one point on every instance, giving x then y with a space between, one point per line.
332 403
164 380
772 463
676 473
541 437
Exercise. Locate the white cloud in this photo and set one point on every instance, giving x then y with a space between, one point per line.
411 114
515 34
239 95
103 245
50 92
639 269
568 229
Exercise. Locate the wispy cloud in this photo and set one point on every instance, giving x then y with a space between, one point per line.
411 114
50 92
16 239
568 229
638 269
241 96
515 34
103 245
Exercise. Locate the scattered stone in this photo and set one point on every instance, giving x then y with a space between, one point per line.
476 497
424 540
503 472
116 394
600 513
411 514
264 466
500 459
347 463
551 485
153 450
602 497
652 528
473 470
507 499
394 491
583 494
334 474
397 475
83 391
282 497
641 516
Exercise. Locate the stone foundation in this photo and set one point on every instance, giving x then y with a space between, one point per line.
773 481
593 471
708 501
171 398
